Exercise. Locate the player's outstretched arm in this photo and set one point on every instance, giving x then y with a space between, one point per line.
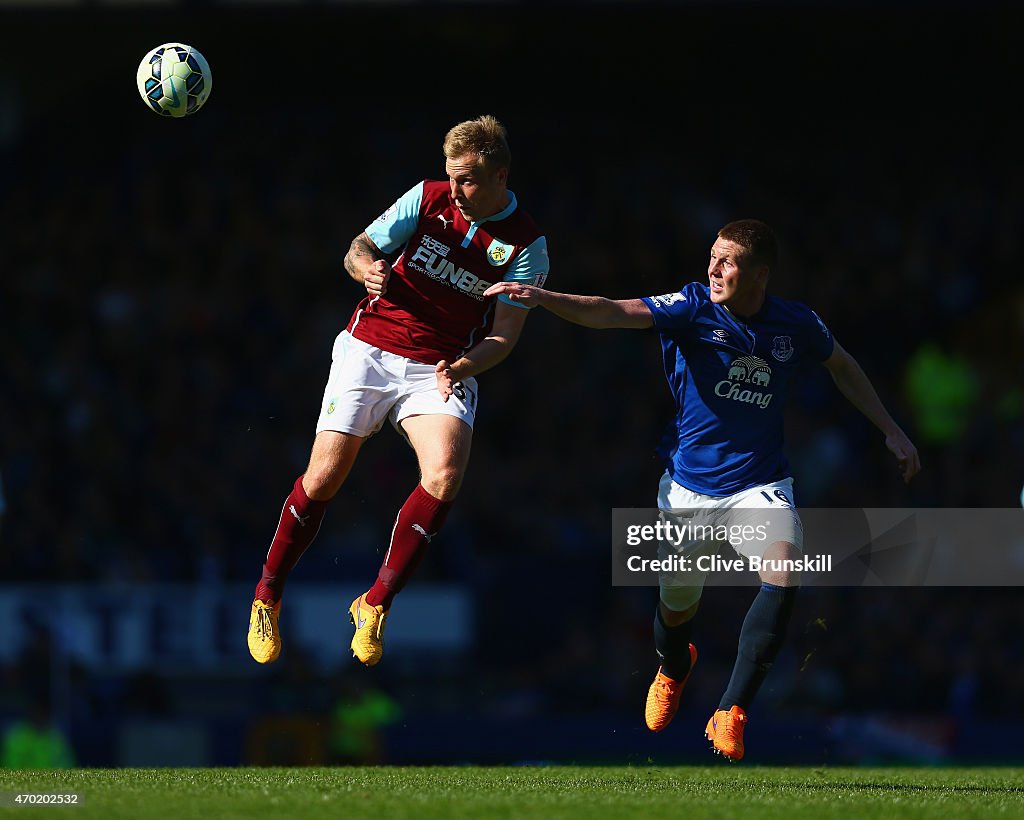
489 351
855 385
589 311
366 264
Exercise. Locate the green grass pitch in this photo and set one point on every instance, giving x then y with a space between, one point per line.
723 791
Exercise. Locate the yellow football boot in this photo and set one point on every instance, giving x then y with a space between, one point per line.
368 640
264 634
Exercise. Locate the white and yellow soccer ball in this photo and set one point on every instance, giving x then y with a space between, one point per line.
174 79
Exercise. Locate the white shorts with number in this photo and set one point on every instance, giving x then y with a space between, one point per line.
368 385
682 590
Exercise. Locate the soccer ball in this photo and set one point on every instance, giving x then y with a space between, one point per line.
174 79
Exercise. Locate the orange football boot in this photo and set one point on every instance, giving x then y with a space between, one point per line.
663 697
725 731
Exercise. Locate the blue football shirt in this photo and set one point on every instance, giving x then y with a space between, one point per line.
730 377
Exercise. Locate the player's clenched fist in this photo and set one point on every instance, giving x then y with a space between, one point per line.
376 278
523 294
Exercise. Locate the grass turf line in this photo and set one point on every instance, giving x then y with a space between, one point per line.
556 791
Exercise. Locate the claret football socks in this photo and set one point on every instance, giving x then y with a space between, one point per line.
418 521
297 526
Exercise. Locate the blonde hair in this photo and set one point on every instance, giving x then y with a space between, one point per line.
484 136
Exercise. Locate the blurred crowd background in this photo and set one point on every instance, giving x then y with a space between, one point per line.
170 290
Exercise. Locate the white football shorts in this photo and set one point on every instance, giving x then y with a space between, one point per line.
367 385
746 508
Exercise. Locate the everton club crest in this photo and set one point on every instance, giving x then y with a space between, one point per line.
782 348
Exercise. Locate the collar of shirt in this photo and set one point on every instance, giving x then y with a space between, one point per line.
502 214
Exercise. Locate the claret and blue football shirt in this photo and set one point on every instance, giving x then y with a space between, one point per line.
729 377
434 307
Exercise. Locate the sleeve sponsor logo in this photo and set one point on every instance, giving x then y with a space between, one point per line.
668 299
390 212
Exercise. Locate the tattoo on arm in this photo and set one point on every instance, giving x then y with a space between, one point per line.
361 249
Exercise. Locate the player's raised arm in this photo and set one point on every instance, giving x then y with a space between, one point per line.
589 311
853 383
366 264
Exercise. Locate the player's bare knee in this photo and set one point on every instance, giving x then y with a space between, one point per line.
324 476
443 483
781 579
329 464
321 483
780 571
673 617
